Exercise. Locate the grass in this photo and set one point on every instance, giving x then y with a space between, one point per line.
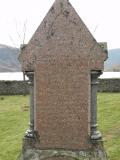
14 117
13 123
109 122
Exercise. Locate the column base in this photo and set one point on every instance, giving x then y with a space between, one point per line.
29 133
96 135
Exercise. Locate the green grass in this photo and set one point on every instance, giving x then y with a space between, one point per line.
109 122
13 123
14 117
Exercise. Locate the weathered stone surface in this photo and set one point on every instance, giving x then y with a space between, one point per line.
62 54
62 112
62 34
63 155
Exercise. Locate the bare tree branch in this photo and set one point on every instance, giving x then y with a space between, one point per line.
18 32
11 39
24 31
96 27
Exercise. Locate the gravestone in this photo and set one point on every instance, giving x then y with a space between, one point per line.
63 62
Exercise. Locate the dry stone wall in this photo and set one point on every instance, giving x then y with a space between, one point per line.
109 85
20 87
13 88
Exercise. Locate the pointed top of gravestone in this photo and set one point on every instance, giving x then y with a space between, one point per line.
62 33
62 1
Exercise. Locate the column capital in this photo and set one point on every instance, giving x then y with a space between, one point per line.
96 73
30 75
94 76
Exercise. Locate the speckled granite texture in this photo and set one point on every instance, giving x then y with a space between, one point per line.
62 53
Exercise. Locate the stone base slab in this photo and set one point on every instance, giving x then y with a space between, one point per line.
34 154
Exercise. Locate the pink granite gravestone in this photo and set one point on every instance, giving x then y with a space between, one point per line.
63 61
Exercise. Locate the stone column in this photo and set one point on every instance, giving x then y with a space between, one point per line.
30 132
95 135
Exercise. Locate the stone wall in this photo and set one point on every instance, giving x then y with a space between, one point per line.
13 88
20 87
109 85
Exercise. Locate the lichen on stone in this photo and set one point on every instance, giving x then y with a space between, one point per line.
33 154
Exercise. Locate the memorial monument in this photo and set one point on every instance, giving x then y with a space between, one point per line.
63 62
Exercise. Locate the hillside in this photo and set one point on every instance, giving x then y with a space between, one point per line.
113 61
9 59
